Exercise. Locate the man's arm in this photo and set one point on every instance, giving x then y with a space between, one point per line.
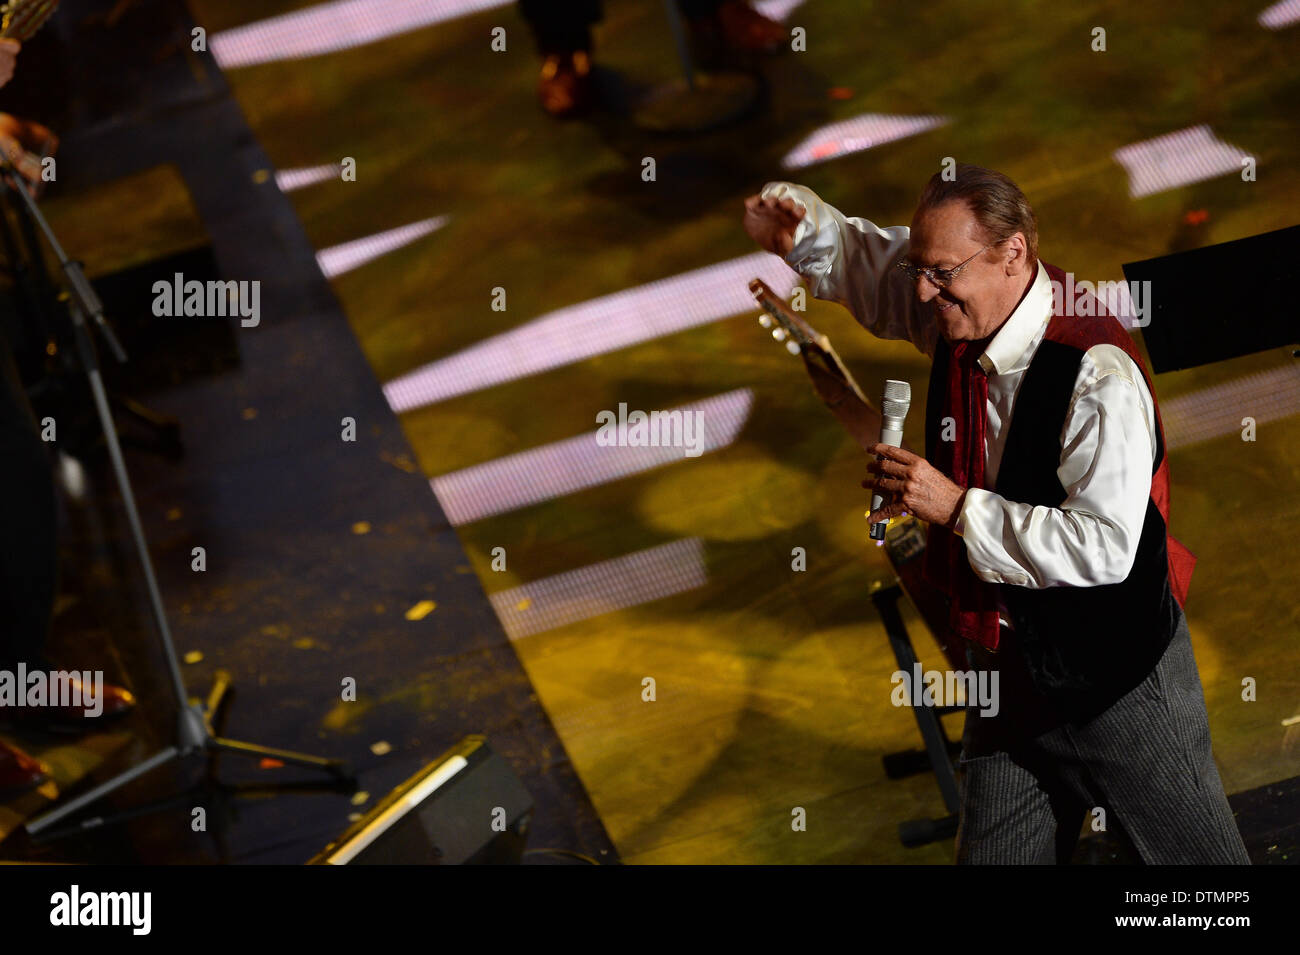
8 59
1108 449
852 261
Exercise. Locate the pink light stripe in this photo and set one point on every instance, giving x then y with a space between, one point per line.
777 9
855 135
1177 159
553 470
338 259
1280 15
1213 412
593 328
330 27
602 588
290 179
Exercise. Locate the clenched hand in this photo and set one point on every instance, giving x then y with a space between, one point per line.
771 223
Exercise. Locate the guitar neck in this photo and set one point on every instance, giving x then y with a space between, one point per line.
811 342
837 367
831 378
20 19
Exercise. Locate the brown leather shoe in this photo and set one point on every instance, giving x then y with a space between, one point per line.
740 27
18 771
565 84
115 701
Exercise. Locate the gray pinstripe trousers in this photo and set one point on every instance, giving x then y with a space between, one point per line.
1029 780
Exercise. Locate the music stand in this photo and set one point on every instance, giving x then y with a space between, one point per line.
1220 301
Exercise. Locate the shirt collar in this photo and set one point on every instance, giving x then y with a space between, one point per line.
1018 331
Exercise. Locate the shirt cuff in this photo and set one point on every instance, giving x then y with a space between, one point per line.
959 526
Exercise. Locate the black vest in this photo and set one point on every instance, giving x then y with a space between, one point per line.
1084 647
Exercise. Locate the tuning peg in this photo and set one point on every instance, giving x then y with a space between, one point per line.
792 347
779 334
765 320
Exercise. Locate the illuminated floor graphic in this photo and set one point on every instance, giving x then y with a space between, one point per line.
855 135
1177 159
347 256
540 474
601 588
330 27
593 328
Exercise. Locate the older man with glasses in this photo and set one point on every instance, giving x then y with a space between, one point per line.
1046 488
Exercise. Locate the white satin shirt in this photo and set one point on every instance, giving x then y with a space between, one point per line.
1108 442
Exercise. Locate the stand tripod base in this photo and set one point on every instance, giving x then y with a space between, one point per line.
922 832
197 736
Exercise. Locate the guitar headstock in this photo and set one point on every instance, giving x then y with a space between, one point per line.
20 19
786 326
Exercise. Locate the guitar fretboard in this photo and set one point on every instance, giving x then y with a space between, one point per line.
20 19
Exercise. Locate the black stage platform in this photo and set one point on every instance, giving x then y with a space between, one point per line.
294 599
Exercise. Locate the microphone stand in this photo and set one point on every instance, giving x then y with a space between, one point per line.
194 732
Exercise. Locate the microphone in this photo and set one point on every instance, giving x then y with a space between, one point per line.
893 409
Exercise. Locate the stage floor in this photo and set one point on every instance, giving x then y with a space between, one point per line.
772 685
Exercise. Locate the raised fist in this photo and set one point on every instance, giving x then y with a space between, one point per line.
772 222
8 59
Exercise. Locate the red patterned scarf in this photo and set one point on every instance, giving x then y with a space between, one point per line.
973 613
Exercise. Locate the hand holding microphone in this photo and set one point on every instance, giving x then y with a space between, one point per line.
920 488
893 409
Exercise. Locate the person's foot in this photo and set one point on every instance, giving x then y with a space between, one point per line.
112 701
18 771
565 84
739 26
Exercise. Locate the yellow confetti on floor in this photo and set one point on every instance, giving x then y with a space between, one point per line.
400 461
361 527
381 748
194 656
421 610
360 798
524 604
250 414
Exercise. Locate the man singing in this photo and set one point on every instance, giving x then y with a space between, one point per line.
1046 489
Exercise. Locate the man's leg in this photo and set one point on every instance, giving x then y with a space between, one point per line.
562 33
735 24
560 27
1014 810
1150 754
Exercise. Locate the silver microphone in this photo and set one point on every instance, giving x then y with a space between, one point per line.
897 399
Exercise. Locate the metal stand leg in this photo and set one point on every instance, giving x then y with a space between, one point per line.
917 832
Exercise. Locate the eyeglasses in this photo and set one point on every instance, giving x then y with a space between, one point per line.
940 277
